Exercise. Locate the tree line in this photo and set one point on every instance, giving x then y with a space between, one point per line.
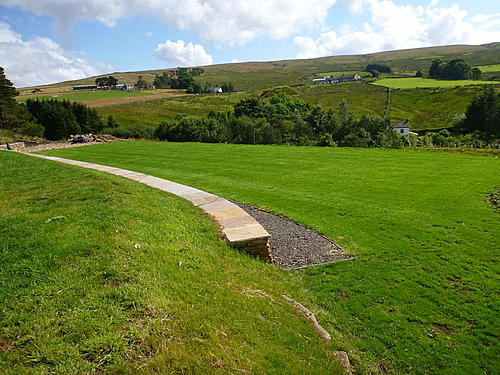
183 78
60 119
282 120
454 70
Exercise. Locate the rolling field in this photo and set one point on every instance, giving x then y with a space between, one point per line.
251 76
96 95
79 297
424 108
413 83
489 68
421 295
151 113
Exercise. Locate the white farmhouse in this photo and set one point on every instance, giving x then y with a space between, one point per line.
401 127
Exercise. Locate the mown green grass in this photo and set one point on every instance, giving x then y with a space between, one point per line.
153 112
412 83
78 297
489 68
421 295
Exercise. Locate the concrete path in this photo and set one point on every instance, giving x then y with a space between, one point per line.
240 229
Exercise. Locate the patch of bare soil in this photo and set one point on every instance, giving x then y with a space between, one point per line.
294 245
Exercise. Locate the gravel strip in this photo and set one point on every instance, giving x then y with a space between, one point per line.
294 245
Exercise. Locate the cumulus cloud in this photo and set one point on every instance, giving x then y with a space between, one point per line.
220 21
403 26
181 54
40 60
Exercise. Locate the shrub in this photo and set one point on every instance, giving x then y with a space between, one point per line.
132 131
32 129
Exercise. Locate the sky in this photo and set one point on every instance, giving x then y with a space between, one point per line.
47 41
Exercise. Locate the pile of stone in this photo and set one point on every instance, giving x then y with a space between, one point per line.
88 138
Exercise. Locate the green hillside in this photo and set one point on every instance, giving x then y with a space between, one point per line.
250 76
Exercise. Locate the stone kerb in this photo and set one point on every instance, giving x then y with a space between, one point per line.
240 229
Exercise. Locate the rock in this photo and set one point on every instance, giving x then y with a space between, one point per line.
343 360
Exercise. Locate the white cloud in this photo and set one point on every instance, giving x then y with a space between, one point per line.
148 34
403 26
181 54
41 60
220 21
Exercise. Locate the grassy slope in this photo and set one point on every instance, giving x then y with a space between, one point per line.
153 112
92 95
78 297
489 68
425 108
412 83
251 76
420 295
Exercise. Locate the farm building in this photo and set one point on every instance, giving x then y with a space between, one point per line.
342 78
401 127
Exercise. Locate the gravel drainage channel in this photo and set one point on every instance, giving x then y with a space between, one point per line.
293 245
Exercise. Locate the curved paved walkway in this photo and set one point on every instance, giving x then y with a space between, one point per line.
240 229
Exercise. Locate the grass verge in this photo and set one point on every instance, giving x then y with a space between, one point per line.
78 295
421 296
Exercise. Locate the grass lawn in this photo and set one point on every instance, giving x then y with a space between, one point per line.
78 297
411 83
489 68
421 296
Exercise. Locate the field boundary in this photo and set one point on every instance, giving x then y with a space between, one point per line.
239 229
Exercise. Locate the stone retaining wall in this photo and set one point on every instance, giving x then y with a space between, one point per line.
240 229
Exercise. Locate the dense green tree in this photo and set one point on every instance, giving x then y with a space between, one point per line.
483 114
141 83
419 74
7 89
436 68
12 115
382 68
456 69
112 123
63 118
109 82
250 107
475 73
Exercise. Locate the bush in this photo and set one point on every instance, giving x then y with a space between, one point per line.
133 131
63 118
32 129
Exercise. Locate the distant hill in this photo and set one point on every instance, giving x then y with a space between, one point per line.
250 76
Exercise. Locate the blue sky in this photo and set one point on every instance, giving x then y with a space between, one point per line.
47 41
